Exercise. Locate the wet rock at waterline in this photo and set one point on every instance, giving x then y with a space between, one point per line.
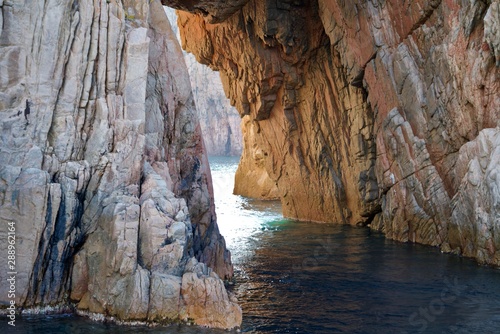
358 112
372 113
102 166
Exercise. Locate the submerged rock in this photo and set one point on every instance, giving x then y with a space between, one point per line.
103 169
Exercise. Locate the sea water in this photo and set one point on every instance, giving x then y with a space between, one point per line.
296 277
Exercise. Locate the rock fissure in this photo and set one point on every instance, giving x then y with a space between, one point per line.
392 87
427 13
96 165
355 112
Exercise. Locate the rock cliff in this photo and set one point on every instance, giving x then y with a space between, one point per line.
251 178
219 121
381 113
103 168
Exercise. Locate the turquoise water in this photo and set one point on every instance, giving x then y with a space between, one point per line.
295 277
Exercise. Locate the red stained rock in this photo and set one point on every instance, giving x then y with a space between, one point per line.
361 108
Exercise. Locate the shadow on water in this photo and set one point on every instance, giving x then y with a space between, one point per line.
296 277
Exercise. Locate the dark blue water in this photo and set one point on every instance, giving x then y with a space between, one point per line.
294 277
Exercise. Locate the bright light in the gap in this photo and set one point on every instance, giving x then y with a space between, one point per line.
238 217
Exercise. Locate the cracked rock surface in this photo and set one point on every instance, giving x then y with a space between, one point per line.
375 112
220 122
103 168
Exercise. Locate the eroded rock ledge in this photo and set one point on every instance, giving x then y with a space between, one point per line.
103 168
368 112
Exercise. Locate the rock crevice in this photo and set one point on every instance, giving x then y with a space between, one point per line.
103 168
362 111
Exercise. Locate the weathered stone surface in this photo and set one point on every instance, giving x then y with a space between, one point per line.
103 168
296 125
215 11
252 179
206 299
475 223
492 29
362 109
219 121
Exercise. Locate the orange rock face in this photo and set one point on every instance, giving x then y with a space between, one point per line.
278 75
368 112
252 179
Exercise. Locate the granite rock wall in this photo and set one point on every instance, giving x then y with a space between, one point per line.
381 113
103 168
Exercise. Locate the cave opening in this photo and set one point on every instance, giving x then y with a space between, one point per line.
219 121
240 210
105 178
